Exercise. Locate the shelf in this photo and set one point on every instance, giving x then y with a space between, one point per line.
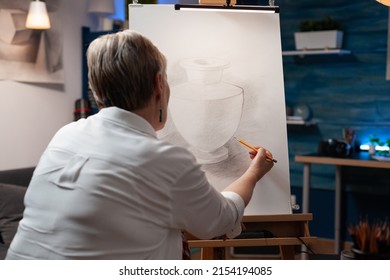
302 122
316 52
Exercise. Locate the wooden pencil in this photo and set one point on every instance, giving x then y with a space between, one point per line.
253 148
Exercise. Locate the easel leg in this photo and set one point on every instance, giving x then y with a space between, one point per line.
207 253
213 253
287 252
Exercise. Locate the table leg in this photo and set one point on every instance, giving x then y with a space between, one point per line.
305 199
306 188
337 214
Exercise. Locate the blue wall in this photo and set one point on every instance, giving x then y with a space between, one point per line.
343 92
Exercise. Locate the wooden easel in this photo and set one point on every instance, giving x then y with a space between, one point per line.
289 230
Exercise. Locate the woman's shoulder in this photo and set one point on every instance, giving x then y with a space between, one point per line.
174 151
171 155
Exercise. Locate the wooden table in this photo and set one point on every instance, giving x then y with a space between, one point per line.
361 159
289 230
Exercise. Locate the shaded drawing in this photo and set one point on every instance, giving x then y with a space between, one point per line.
205 110
28 55
18 42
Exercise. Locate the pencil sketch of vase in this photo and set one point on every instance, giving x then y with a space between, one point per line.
205 110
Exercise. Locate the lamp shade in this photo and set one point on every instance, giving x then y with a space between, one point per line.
37 17
384 2
104 7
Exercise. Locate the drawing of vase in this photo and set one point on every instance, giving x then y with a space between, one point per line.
205 110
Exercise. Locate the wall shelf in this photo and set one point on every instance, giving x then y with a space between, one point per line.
316 52
302 122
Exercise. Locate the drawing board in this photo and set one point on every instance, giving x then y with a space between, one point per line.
226 78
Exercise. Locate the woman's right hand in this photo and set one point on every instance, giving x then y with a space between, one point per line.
261 162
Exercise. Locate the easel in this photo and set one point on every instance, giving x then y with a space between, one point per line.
289 230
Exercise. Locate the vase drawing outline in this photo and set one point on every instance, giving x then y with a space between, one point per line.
206 110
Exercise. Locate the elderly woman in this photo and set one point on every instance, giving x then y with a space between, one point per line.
107 188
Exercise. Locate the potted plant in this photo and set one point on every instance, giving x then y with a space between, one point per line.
383 152
374 140
319 34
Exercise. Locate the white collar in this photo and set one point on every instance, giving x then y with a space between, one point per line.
126 119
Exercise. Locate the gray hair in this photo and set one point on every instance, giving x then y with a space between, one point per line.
122 69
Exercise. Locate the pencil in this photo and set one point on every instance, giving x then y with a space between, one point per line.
253 148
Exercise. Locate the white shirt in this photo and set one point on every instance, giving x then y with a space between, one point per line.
107 188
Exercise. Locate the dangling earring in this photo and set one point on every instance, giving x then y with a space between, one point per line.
161 115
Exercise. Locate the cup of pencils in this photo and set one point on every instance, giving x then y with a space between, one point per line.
370 240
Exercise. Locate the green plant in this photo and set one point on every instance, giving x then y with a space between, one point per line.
374 139
387 153
327 23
